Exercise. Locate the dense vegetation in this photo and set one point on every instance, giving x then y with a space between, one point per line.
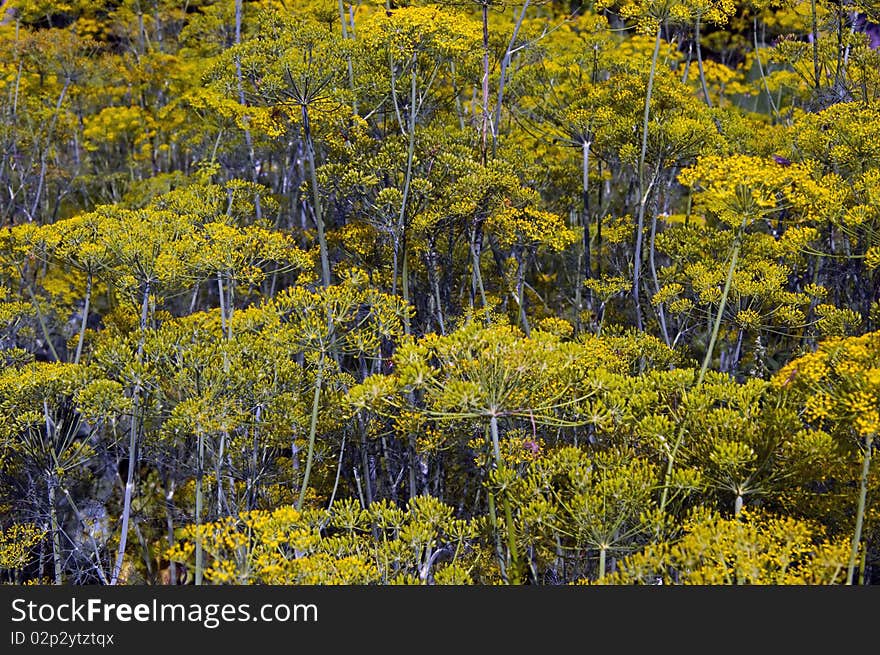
478 291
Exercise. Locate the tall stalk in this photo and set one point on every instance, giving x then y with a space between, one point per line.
82 521
484 123
734 255
132 440
700 62
345 37
43 154
860 511
248 139
652 260
85 319
222 295
53 523
43 327
434 278
773 107
400 235
200 472
505 63
499 551
169 526
316 197
643 193
707 359
404 275
338 472
476 272
814 33
313 426
218 466
520 291
512 570
585 200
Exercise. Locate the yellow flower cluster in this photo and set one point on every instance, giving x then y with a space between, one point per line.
17 543
839 382
286 546
819 406
754 548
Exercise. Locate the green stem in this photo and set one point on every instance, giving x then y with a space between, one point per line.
313 426
248 139
404 274
345 37
169 527
860 512
97 566
42 322
221 294
585 217
700 63
478 275
737 242
502 77
85 318
521 295
316 198
815 35
338 473
761 70
484 128
200 467
132 440
496 444
664 497
512 572
407 182
499 553
56 537
637 255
